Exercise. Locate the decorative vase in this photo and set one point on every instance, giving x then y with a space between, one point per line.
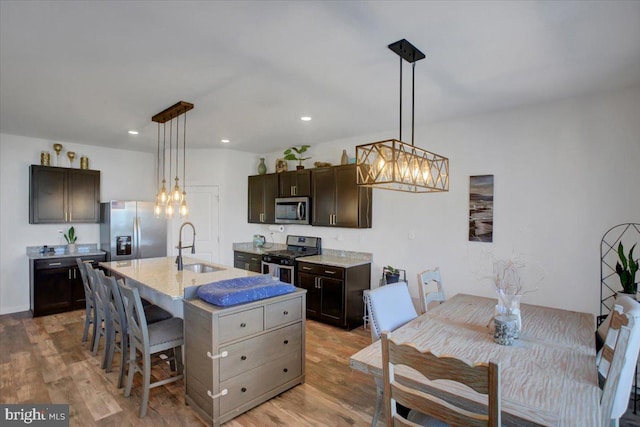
84 162
45 158
262 168
506 329
345 158
509 304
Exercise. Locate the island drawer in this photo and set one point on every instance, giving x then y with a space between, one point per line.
242 324
283 312
256 382
257 351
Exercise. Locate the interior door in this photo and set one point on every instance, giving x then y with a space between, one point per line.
204 214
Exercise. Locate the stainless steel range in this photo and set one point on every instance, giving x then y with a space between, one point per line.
282 264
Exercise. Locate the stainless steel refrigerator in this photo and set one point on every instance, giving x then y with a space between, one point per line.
128 230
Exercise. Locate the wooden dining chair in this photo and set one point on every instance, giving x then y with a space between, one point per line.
617 360
90 304
389 307
425 280
484 378
159 337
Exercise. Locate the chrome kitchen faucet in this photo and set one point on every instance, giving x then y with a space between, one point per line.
180 247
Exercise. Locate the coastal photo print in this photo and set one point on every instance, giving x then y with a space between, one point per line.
481 208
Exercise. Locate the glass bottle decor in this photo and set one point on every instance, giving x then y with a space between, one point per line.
262 168
345 159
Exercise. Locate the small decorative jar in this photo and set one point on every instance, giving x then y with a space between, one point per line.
345 159
262 168
45 158
84 162
506 329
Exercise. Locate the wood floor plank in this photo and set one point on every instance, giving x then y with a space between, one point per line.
44 361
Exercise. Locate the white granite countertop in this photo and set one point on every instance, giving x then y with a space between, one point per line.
62 251
335 258
258 250
162 275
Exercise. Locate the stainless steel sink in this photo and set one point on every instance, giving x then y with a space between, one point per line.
201 268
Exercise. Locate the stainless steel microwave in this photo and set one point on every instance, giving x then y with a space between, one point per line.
293 210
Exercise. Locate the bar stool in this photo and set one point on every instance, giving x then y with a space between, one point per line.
160 337
90 309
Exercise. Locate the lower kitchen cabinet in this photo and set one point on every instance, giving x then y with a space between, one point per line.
56 284
241 356
247 261
334 294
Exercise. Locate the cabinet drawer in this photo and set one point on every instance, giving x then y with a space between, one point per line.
241 324
321 270
62 262
258 381
257 351
283 312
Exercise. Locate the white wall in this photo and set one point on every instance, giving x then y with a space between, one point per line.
565 173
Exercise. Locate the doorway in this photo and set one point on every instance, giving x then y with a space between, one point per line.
204 214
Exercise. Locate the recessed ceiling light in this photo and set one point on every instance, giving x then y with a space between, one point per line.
133 132
305 118
225 141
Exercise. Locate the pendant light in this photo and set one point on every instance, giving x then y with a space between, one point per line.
176 200
184 209
396 165
157 209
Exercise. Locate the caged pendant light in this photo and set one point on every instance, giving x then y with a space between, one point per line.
169 202
395 165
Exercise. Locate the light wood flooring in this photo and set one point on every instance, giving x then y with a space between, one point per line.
43 361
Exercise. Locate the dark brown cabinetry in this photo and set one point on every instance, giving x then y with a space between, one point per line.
56 284
337 200
334 294
263 190
63 195
247 261
295 183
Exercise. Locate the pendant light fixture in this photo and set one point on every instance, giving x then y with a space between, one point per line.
176 200
396 165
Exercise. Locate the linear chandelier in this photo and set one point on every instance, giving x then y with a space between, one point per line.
395 165
174 200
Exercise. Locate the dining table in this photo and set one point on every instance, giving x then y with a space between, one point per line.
548 375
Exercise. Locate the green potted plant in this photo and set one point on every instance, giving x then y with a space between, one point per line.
627 270
391 274
70 237
289 155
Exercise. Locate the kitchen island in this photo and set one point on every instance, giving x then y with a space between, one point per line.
159 281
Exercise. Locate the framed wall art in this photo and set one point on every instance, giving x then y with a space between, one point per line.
481 208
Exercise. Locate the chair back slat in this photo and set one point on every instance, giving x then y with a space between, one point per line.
481 377
612 360
88 292
136 320
425 278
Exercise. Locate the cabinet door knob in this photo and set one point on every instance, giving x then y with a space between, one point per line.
224 392
243 325
286 341
243 389
286 313
243 357
285 370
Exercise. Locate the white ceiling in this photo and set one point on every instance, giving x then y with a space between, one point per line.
87 71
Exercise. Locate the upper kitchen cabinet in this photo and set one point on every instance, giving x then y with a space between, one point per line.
263 190
295 183
63 195
337 200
